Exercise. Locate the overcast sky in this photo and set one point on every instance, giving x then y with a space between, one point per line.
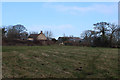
71 18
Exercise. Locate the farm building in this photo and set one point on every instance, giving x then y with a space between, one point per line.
71 39
40 36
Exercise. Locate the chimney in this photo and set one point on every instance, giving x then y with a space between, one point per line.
41 32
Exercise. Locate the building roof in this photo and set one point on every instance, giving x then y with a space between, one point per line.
38 36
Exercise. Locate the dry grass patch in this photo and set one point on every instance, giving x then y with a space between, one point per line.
59 62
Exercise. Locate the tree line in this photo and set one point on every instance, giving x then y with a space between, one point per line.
15 32
103 35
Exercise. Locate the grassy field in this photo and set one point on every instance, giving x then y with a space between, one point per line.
59 62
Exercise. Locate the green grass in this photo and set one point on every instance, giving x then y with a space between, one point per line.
59 62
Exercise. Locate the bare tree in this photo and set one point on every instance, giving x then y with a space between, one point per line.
15 32
48 34
88 36
112 30
24 36
101 27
